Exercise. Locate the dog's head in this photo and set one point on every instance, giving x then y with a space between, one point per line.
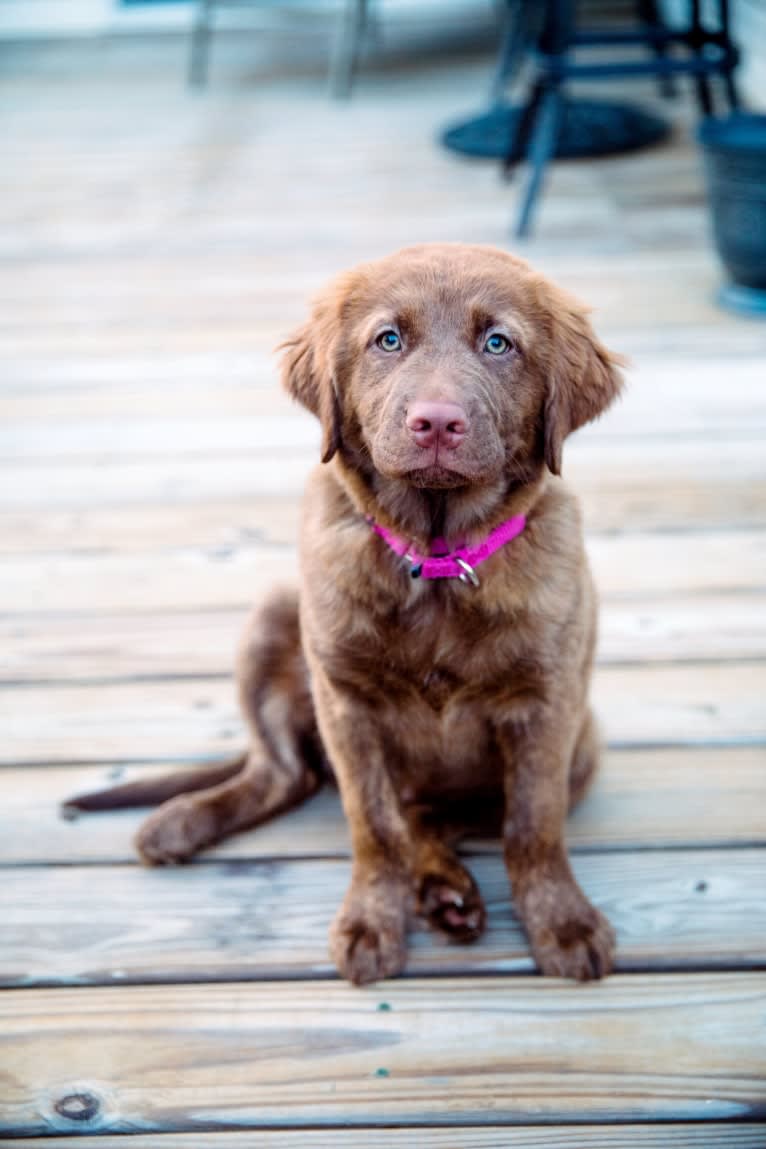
448 367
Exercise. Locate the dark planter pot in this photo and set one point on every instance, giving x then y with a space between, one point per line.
735 165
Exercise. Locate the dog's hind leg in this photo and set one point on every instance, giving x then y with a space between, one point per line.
284 763
190 822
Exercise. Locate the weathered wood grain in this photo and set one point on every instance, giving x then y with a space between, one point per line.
704 505
643 704
640 799
225 295
153 528
96 648
705 627
175 1057
649 467
241 376
681 704
254 414
258 920
243 571
665 1136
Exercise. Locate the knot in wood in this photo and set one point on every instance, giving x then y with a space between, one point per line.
78 1106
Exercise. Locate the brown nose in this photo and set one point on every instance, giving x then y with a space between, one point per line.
430 423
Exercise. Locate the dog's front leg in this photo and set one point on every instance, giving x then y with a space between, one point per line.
569 936
368 936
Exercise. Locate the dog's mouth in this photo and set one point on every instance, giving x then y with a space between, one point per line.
437 469
434 473
436 477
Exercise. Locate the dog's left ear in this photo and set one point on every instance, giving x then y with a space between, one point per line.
583 380
308 374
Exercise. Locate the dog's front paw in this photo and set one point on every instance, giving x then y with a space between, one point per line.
569 936
452 904
173 833
368 939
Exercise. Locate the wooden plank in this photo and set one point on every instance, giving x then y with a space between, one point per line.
107 404
693 402
116 482
216 525
177 435
239 573
640 799
98 648
117 647
705 627
186 307
685 361
669 1047
687 703
127 321
665 1136
259 920
646 468
208 525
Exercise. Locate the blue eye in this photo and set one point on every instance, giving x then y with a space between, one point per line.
497 345
389 341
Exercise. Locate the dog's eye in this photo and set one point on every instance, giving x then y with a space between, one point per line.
389 341
498 345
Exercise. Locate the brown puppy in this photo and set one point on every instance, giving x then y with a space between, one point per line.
446 379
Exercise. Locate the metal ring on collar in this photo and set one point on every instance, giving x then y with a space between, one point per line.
469 575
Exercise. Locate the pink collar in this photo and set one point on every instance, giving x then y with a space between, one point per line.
460 563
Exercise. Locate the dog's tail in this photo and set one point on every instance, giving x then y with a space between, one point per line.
151 792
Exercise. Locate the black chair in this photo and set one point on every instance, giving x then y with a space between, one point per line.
548 28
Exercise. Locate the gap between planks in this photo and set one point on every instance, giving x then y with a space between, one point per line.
690 1135
260 920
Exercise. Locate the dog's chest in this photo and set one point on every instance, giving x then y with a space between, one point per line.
441 715
441 654
442 741
438 687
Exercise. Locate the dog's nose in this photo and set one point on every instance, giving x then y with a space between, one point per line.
431 422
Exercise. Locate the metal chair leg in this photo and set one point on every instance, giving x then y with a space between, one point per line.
200 44
542 147
702 83
512 49
352 21
519 145
648 14
732 93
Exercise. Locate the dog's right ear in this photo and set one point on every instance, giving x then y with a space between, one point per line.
308 375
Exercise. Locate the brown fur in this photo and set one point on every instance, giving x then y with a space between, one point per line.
430 697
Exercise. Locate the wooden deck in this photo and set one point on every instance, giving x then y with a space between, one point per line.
155 246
